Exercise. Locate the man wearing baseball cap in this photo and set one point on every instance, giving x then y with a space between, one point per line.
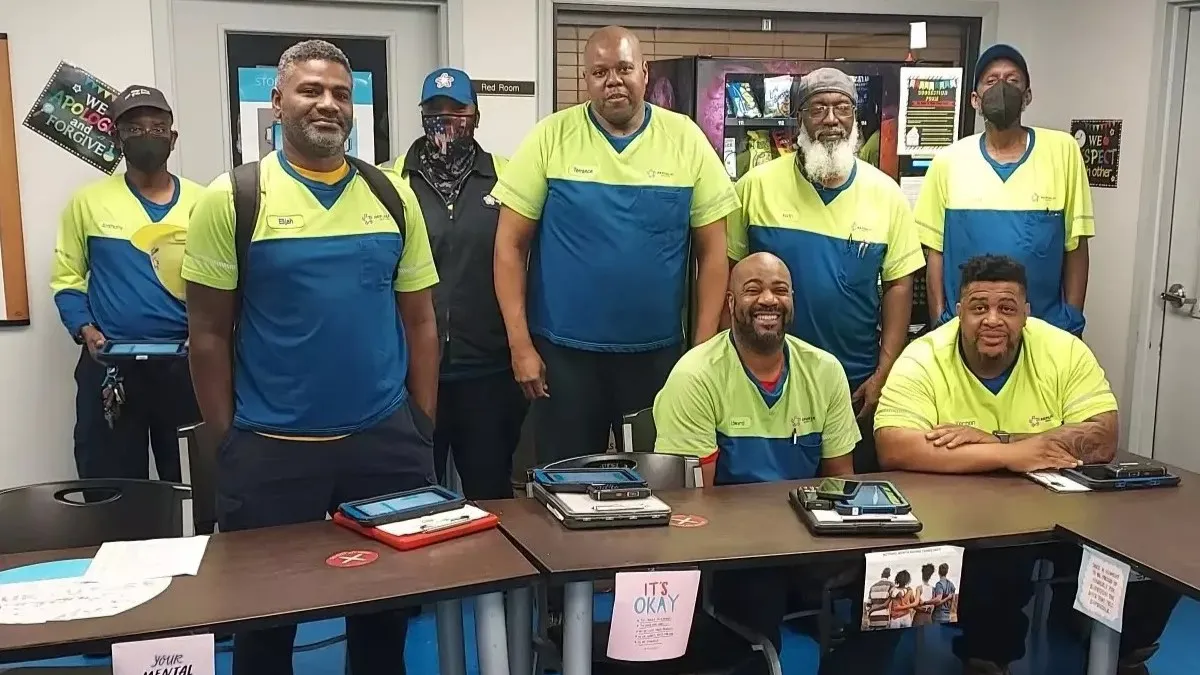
841 226
480 406
116 277
1013 190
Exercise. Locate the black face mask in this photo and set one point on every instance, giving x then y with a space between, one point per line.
1001 104
146 153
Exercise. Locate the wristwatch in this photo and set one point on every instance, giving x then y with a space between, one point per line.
1002 436
79 335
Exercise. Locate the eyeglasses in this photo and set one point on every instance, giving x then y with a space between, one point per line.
819 111
133 130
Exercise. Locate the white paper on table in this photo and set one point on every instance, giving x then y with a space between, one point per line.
652 615
1101 592
186 655
148 559
911 187
1057 482
70 599
435 522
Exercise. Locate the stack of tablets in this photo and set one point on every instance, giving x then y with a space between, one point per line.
416 518
839 506
599 498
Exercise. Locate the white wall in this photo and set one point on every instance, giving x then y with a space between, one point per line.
500 43
1091 59
37 362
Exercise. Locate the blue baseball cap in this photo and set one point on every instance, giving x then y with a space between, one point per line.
996 53
451 83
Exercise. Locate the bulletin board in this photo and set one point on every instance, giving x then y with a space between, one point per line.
14 291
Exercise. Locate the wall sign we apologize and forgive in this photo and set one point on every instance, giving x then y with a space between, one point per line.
72 113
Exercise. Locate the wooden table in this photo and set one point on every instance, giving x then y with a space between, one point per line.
753 525
277 576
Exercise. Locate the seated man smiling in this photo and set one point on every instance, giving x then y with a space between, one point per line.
756 405
992 390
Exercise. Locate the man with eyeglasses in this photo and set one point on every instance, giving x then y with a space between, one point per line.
116 277
841 226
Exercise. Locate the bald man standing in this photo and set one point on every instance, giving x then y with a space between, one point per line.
756 405
604 200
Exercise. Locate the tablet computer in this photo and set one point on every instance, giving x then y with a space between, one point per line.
580 512
578 480
1100 477
873 498
399 506
142 350
830 522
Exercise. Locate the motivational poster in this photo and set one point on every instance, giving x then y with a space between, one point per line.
1100 143
72 113
652 615
187 655
1101 591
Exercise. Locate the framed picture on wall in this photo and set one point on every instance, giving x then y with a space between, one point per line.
14 291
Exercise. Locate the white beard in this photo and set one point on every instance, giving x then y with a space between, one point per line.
827 163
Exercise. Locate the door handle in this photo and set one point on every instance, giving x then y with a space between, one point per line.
1177 297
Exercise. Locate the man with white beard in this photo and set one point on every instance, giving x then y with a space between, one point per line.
841 226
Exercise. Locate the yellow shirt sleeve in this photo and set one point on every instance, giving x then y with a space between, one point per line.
1086 392
523 184
1080 218
685 416
69 272
210 254
737 234
840 433
415 271
713 196
930 212
907 400
904 255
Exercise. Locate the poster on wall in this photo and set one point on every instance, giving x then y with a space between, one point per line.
1100 143
260 132
14 288
930 108
72 113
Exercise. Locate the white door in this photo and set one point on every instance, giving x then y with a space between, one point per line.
200 85
1179 368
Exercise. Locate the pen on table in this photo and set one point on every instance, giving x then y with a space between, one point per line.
437 525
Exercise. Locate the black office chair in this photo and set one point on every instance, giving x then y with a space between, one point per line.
638 432
79 513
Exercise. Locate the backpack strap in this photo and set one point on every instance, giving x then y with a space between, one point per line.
384 190
247 194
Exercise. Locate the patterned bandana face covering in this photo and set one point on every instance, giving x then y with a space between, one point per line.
449 151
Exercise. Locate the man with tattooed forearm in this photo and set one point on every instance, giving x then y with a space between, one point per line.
997 390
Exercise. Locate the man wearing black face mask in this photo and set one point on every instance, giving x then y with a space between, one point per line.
1015 191
480 406
116 277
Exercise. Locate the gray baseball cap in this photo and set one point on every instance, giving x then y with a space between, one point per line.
824 81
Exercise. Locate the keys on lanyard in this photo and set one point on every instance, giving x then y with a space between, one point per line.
112 393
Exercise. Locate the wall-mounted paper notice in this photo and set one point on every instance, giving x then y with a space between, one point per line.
1101 592
917 35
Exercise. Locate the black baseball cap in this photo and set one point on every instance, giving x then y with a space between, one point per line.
138 96
996 53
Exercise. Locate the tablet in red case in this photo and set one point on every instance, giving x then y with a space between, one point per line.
414 541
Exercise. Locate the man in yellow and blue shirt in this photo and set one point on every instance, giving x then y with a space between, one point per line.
116 277
600 206
326 392
995 389
844 228
758 405
1012 190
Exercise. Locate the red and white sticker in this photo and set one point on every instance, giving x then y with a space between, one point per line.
352 558
685 520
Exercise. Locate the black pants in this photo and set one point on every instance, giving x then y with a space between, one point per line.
590 392
158 400
997 585
262 482
479 420
866 458
758 599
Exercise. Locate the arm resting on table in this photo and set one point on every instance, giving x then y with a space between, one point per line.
908 450
1092 441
